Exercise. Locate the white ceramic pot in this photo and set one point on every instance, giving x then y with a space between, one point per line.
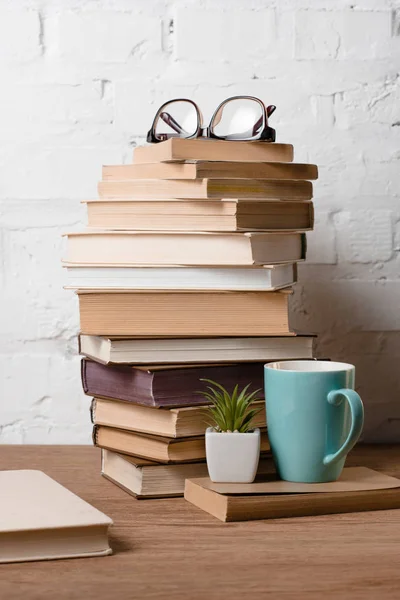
232 457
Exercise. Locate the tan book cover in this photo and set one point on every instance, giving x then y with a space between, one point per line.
120 248
206 188
156 448
186 314
218 150
223 215
210 170
40 520
358 489
175 422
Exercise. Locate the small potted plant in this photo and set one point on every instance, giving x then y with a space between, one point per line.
232 445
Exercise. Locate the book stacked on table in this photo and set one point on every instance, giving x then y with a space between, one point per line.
184 274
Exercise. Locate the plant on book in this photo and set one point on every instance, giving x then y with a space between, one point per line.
232 446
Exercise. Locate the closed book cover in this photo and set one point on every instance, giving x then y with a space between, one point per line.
165 387
42 520
214 150
129 248
210 170
358 489
146 479
156 448
223 215
171 351
183 313
264 278
285 189
190 421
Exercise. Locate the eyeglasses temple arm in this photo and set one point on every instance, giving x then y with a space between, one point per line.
169 120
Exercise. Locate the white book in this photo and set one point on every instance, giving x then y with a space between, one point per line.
182 278
195 350
41 520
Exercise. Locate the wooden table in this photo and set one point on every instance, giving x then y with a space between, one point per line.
168 549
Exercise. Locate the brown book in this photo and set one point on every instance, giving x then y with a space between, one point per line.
142 189
223 215
219 150
130 248
173 423
186 314
170 352
42 520
210 170
156 448
358 489
147 479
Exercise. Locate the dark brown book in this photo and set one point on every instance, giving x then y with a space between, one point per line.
142 189
174 314
358 489
157 448
210 170
218 150
165 387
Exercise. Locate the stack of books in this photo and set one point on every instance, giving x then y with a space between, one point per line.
184 274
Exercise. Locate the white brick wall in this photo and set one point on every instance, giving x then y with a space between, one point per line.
80 82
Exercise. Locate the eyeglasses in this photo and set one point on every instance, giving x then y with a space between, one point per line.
237 118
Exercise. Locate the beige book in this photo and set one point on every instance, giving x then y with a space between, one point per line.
219 150
212 170
183 314
174 422
223 215
147 479
41 520
194 350
128 248
156 448
141 189
358 489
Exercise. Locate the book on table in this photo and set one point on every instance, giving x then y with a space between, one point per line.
130 248
147 479
262 278
166 386
210 170
223 215
213 150
141 189
120 350
174 423
186 314
158 448
42 520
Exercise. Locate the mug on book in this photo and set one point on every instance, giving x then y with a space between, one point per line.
314 418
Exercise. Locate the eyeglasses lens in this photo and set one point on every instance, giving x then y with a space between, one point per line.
177 119
238 119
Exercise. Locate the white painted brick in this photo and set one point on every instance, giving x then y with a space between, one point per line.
364 236
366 34
214 35
19 35
321 242
318 34
104 36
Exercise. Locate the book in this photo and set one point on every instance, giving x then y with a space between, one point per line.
41 520
164 386
195 350
128 248
204 149
147 479
183 314
210 170
223 215
358 489
263 278
173 423
156 448
142 189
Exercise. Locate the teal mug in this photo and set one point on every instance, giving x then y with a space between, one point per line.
314 418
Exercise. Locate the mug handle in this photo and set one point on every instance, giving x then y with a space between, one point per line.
335 397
